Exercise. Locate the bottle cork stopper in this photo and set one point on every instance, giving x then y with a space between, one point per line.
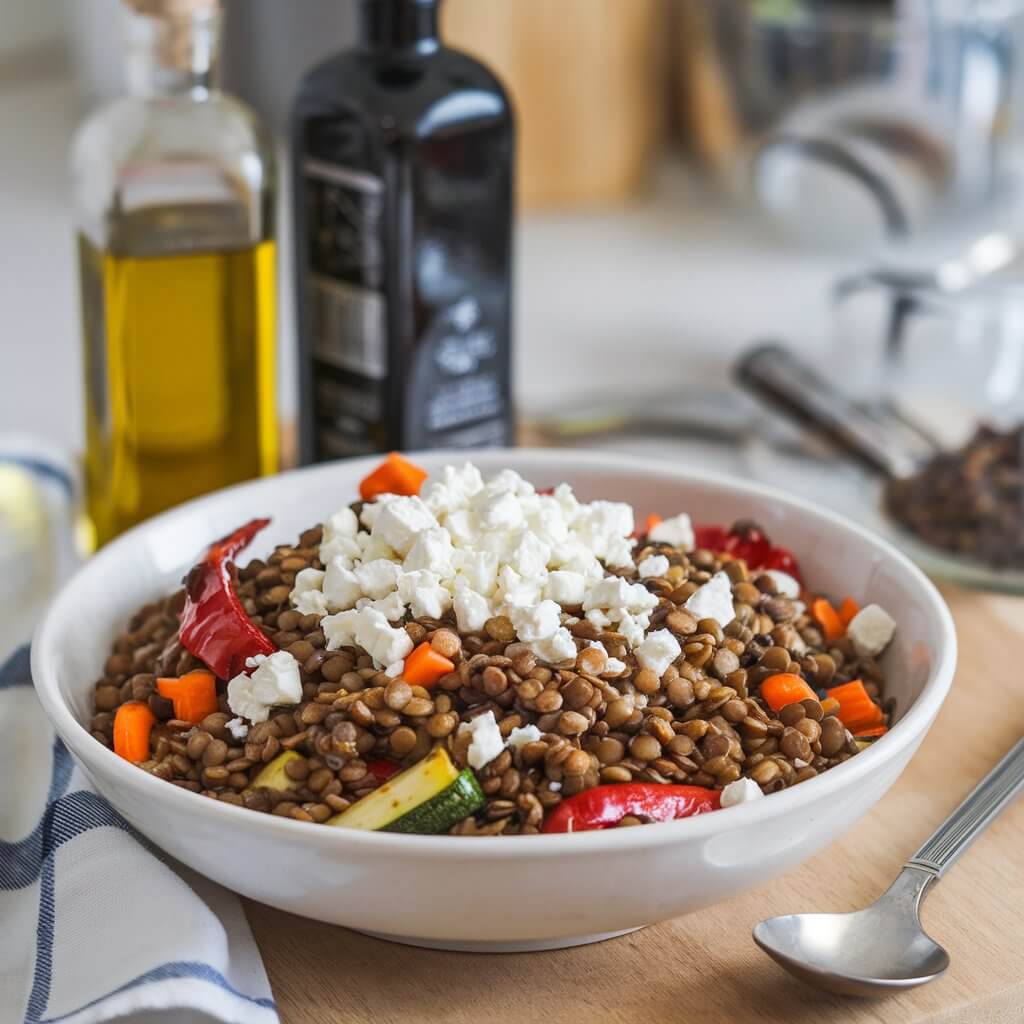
176 43
161 8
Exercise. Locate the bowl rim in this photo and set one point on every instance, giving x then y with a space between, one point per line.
96 757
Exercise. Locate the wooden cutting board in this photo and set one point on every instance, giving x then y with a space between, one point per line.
705 967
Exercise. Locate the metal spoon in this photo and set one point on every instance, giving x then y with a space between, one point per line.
883 948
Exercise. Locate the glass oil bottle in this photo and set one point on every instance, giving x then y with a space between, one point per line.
173 191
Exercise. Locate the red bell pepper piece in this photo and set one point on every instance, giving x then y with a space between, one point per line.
751 545
382 769
608 805
214 626
711 538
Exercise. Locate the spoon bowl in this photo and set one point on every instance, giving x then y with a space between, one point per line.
883 948
867 953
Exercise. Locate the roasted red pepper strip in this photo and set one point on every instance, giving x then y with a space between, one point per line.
608 805
214 626
382 769
752 546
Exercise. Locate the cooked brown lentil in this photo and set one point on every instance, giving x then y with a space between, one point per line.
702 722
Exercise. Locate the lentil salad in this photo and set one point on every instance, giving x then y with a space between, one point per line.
346 695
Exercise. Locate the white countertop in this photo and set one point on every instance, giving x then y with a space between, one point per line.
653 298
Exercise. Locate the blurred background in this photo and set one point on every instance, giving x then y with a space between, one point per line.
693 176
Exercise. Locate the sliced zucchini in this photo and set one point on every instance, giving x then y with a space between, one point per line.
273 775
450 806
401 793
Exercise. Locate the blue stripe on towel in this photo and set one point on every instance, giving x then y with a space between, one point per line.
179 969
21 863
16 671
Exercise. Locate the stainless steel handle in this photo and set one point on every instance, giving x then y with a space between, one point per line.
973 816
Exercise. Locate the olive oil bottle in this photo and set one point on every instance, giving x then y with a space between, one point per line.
173 189
403 172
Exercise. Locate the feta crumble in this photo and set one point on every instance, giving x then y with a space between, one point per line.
713 600
742 791
785 584
658 650
486 742
652 566
870 630
274 681
238 729
677 531
521 735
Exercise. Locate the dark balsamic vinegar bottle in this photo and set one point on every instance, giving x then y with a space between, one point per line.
404 211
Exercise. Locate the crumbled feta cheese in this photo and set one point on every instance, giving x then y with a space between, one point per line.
499 511
486 742
378 578
632 627
478 569
367 628
238 729
785 584
652 566
658 650
713 600
341 586
613 592
422 591
432 550
307 593
536 623
565 587
530 556
555 787
383 642
340 629
399 522
517 592
741 791
523 734
472 610
619 553
395 669
391 607
870 630
597 618
345 549
557 648
453 490
342 524
677 531
275 680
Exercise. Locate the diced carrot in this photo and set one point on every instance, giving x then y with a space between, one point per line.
132 725
828 618
857 711
424 667
652 521
878 730
194 695
785 688
848 611
395 475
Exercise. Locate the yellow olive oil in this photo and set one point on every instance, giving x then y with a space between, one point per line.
179 367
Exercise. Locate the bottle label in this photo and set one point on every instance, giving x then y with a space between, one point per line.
346 302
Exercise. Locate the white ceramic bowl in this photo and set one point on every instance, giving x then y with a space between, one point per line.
523 892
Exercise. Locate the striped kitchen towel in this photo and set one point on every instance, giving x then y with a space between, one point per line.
96 924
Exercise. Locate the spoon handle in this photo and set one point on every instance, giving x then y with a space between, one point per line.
973 816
